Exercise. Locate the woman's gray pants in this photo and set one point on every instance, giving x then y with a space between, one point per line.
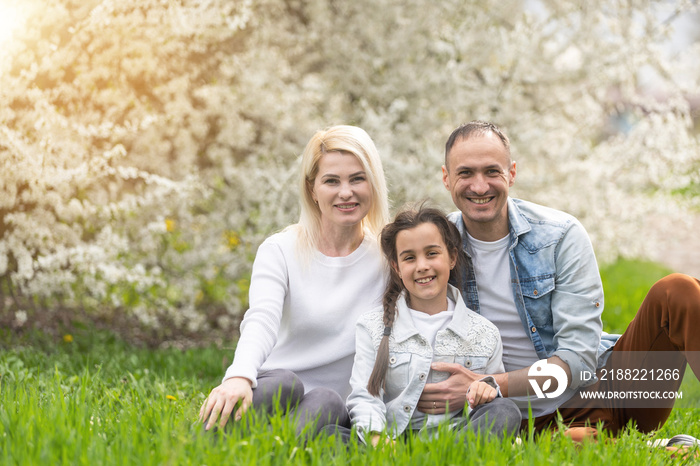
312 410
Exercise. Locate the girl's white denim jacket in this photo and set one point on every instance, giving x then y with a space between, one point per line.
469 339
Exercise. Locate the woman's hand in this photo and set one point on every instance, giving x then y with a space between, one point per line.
480 393
376 438
233 393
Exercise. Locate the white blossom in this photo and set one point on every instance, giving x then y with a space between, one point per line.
148 147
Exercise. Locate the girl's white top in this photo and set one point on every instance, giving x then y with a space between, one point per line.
468 339
302 314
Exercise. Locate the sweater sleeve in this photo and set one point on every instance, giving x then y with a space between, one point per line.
367 412
269 285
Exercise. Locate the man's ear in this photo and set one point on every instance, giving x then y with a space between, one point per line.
445 178
512 173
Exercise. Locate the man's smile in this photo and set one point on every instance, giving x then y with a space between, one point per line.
480 200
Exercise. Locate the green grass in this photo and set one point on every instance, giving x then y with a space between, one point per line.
97 400
626 283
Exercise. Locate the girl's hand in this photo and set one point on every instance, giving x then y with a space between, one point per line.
235 392
480 393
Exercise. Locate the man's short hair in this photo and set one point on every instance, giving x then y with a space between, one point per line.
475 128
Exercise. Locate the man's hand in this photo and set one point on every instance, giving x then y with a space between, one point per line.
234 393
449 393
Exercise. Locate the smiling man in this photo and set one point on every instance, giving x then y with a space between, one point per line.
478 171
531 270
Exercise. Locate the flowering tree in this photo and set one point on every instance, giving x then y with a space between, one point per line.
554 77
148 146
127 129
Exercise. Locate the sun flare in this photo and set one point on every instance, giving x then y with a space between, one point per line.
11 19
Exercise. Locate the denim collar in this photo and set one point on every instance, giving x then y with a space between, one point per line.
517 222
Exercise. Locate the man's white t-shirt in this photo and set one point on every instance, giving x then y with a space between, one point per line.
496 303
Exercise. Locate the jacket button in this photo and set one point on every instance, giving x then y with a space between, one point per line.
597 304
533 329
421 377
407 408
468 363
535 292
392 360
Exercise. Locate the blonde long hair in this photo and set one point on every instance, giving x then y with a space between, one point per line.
350 140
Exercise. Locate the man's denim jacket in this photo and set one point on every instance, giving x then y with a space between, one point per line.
556 285
469 339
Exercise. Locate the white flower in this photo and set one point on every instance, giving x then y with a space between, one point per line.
20 318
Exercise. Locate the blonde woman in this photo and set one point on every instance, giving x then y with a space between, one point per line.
309 285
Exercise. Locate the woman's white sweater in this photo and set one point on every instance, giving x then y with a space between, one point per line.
302 314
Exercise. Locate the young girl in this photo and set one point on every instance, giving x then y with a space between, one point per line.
423 320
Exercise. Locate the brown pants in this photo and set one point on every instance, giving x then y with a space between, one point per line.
668 321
